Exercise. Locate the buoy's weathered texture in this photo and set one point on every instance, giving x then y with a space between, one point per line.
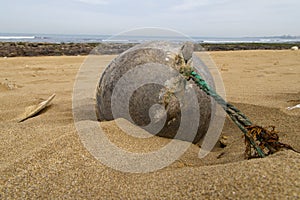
151 57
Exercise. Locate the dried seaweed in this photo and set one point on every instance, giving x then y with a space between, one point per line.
266 138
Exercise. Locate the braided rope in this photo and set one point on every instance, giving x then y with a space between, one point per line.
262 140
235 114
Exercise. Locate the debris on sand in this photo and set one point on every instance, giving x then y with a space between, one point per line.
293 107
295 48
223 141
9 85
33 110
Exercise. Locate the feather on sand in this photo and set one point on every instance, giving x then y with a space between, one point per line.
31 111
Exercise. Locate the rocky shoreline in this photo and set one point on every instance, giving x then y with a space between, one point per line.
20 49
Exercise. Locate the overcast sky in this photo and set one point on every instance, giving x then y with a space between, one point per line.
227 18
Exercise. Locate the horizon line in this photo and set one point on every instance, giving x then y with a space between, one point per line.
194 36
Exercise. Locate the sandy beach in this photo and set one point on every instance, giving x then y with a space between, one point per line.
44 158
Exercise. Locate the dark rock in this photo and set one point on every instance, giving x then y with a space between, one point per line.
8 49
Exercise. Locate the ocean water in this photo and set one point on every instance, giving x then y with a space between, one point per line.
56 38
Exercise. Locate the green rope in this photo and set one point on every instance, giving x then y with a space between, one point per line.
235 114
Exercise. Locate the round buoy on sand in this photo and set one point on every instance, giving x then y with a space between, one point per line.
154 63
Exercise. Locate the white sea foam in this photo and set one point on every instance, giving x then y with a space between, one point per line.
227 41
110 40
16 37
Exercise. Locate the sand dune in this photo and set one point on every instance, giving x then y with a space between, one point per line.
44 158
